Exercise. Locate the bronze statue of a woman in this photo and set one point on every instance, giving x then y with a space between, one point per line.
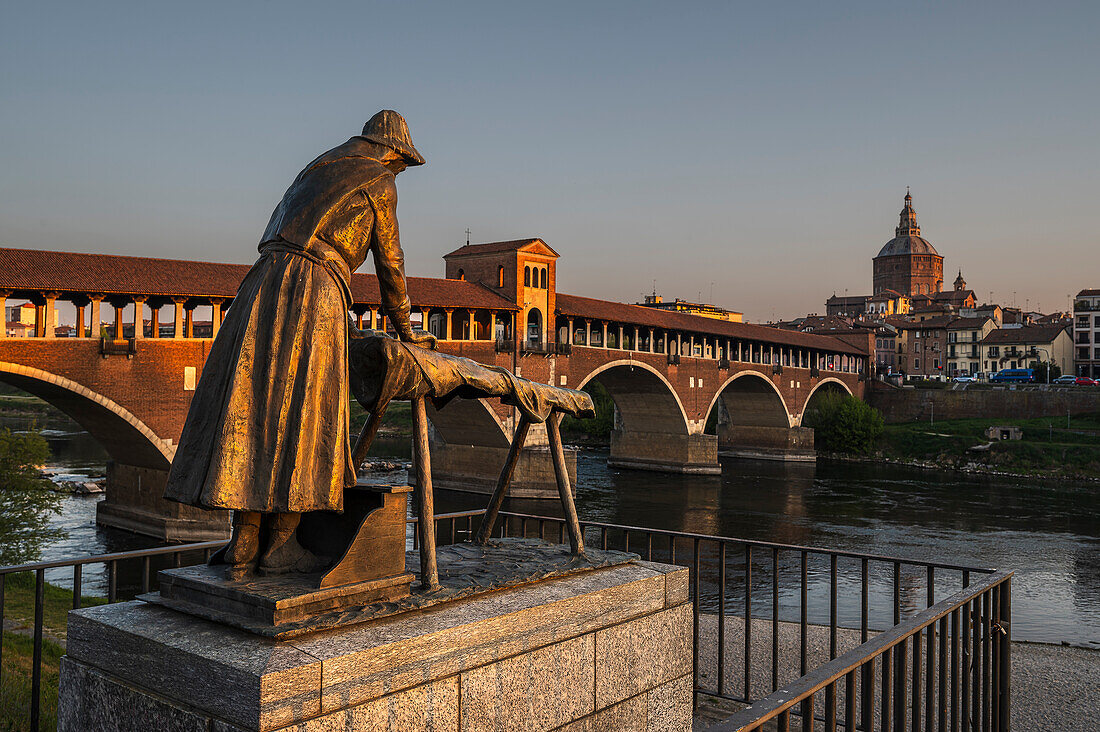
267 432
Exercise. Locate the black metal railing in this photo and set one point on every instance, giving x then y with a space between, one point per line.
503 345
796 593
853 646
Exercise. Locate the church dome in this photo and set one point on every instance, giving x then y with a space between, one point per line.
907 238
907 244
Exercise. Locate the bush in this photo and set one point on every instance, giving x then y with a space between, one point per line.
843 423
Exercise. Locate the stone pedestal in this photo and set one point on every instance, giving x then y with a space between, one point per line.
665 453
609 648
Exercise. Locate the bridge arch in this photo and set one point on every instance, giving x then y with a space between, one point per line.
751 399
125 437
644 397
830 385
469 422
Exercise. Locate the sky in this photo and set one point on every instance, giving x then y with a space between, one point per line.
753 155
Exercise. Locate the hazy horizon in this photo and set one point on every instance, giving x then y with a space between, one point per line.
755 157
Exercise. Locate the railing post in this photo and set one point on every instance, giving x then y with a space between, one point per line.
36 662
1004 621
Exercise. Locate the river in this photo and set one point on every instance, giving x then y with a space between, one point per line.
1048 533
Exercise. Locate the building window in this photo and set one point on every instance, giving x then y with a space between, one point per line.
500 276
461 274
545 279
916 364
526 276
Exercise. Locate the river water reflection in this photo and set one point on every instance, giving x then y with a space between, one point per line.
1048 533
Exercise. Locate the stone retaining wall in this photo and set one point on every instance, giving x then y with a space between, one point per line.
911 405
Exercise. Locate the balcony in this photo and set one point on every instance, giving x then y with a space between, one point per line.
110 347
563 349
504 346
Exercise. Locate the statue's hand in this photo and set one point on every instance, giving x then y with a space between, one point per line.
420 338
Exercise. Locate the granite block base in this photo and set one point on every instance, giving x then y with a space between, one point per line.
609 648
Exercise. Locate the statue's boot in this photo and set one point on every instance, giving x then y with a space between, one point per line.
284 553
244 547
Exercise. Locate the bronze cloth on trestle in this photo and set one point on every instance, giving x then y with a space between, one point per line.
383 369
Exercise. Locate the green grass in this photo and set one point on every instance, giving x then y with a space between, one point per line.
15 685
15 688
19 603
1048 445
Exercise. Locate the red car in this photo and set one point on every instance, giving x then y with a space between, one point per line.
1086 381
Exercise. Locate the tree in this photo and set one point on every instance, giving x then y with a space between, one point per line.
1041 372
26 500
843 423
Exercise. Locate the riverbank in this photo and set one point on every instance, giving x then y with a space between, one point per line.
1066 448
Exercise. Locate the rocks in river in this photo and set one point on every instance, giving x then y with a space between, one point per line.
84 488
377 465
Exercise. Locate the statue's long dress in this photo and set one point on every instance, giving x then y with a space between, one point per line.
268 425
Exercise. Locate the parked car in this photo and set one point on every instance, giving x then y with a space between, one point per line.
1086 381
965 379
1068 379
1025 376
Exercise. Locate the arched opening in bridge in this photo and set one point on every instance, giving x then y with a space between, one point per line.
828 388
640 400
645 421
751 419
749 399
126 439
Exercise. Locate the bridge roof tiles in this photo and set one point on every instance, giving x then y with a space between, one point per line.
39 270
36 270
587 307
434 292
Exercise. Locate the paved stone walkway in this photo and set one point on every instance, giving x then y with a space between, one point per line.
1053 687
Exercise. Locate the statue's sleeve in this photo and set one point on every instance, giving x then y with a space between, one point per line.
389 260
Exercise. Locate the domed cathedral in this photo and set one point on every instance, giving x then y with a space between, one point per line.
908 263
